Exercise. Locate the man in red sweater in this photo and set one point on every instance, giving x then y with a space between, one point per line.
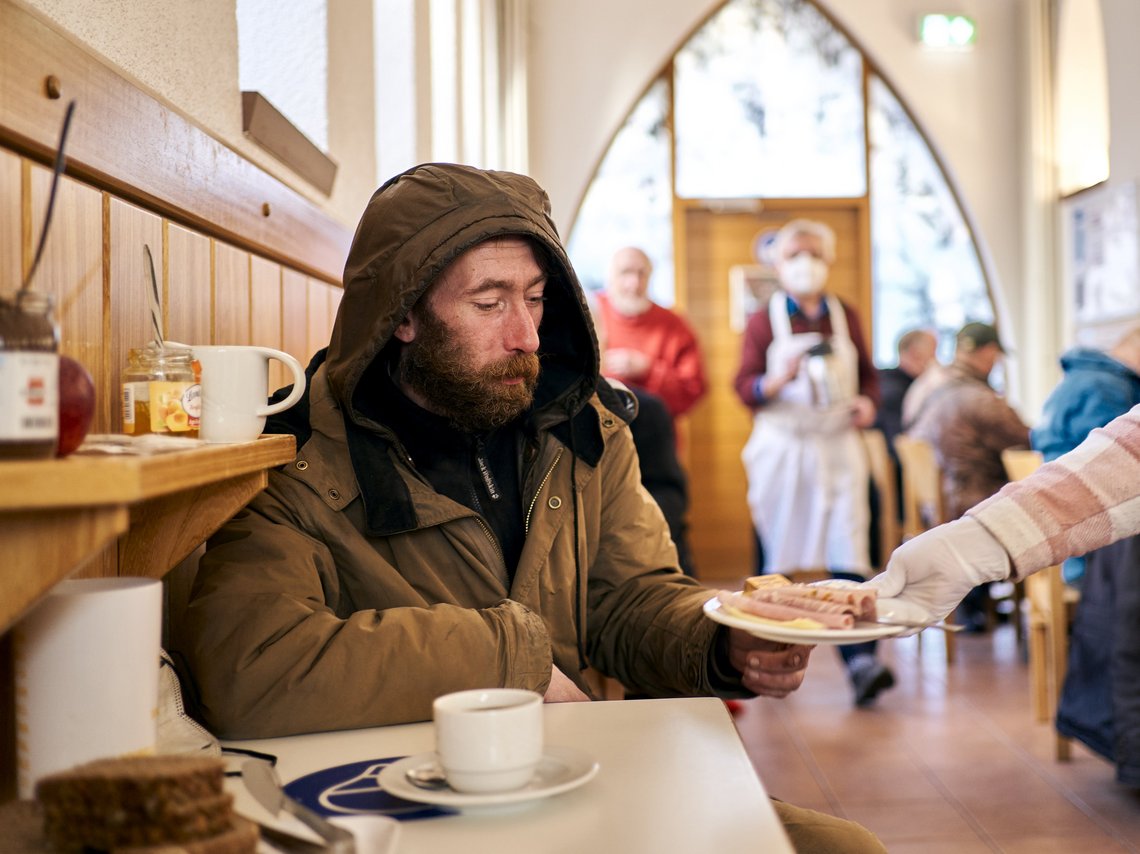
647 345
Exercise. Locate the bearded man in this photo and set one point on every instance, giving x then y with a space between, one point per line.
465 508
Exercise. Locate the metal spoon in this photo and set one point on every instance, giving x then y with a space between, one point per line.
427 777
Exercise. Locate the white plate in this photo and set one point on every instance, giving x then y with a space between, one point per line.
560 770
786 634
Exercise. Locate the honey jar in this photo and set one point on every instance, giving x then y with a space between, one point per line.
162 392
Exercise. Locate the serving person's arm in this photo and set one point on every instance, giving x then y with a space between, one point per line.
678 376
1081 501
756 381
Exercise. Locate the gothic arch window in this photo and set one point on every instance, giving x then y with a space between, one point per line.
768 99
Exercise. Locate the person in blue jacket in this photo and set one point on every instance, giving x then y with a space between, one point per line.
1097 386
1100 700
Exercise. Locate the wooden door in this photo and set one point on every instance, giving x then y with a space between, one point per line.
709 244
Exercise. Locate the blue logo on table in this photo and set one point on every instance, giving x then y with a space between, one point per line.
354 789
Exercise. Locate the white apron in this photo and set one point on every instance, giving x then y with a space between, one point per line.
806 466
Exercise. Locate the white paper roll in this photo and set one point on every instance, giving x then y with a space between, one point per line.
86 662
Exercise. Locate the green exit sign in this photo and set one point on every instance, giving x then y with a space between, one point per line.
947 31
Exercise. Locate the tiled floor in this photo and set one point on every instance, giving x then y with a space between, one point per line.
947 761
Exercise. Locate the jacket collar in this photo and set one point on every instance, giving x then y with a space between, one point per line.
375 453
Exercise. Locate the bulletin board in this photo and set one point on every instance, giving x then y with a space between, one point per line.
1103 259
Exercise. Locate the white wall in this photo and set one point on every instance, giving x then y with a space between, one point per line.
1121 26
186 53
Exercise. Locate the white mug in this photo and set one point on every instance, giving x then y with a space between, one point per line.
488 740
235 382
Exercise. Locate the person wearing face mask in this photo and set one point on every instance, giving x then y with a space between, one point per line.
969 424
806 374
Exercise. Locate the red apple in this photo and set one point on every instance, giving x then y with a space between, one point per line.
76 404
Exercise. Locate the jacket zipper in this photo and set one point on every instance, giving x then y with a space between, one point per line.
491 536
538 492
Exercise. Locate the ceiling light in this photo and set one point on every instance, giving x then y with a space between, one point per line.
947 32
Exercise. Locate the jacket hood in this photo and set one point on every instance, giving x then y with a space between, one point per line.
1088 359
414 226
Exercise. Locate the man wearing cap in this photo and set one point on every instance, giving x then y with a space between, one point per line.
969 424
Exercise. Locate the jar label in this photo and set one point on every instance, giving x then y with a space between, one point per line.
192 403
29 396
168 411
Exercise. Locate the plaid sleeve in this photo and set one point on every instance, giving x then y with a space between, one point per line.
1083 500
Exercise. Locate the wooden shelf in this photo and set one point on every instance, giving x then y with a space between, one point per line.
57 514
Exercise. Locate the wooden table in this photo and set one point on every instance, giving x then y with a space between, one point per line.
57 514
674 777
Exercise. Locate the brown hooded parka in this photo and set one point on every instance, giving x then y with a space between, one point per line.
350 593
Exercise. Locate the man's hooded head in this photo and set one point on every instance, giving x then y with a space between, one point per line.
416 228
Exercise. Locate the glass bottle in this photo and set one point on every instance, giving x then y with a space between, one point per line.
162 392
29 376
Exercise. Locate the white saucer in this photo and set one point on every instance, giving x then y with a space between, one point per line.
560 770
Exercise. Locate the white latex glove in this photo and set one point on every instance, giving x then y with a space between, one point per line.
935 570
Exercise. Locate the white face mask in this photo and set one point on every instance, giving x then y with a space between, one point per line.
803 274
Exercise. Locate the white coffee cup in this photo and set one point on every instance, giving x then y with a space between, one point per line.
488 740
235 382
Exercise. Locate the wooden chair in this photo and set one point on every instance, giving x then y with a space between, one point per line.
923 504
1051 603
882 470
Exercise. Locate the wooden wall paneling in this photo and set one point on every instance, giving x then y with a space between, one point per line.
719 522
295 315
231 294
320 321
265 314
187 289
129 286
71 270
11 229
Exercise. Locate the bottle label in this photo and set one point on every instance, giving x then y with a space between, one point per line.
29 396
136 409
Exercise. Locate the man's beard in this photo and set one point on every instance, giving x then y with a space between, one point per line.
436 366
630 305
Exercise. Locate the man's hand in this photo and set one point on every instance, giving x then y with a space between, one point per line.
562 690
626 363
770 669
937 569
774 381
862 412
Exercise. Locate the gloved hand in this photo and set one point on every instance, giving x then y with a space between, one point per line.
935 570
